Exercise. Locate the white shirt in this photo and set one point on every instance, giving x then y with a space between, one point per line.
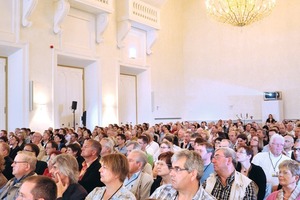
152 148
269 163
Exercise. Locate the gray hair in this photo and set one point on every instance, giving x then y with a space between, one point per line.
229 153
135 144
193 161
140 157
291 165
277 136
108 143
68 166
30 158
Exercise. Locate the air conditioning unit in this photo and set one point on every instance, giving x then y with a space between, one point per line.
271 96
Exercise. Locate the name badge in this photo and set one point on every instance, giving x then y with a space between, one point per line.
275 174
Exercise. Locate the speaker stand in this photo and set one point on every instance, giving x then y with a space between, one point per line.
74 120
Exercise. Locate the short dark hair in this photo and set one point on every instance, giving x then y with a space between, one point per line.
166 156
53 144
144 138
35 148
44 187
75 147
123 137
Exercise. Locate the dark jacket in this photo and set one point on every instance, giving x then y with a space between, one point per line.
74 191
7 172
91 178
257 175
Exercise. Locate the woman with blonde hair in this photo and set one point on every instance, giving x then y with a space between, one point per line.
65 173
113 171
289 173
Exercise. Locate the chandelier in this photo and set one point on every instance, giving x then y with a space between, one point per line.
239 12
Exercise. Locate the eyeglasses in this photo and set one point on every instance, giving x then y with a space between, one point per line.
16 162
164 147
296 149
178 169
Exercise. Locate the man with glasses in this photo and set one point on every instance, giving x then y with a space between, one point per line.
227 183
296 151
186 172
38 187
269 161
23 167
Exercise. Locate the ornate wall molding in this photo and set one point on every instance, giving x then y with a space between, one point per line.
100 8
27 9
62 8
141 15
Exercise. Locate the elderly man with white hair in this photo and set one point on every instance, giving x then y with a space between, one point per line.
269 161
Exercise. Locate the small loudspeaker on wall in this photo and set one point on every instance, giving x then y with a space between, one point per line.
74 105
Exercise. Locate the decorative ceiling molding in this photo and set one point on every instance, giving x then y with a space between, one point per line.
138 14
155 3
100 8
28 7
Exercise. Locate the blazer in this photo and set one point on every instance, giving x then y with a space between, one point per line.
91 178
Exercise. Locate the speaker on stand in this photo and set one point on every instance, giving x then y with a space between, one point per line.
74 107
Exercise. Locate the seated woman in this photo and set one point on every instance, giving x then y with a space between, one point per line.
50 163
244 156
162 166
113 171
75 150
256 145
289 173
65 173
165 146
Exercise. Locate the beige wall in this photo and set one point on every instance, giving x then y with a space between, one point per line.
227 68
200 69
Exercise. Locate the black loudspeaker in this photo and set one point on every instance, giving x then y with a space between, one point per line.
83 118
74 105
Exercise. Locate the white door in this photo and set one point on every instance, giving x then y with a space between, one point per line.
127 99
69 89
2 94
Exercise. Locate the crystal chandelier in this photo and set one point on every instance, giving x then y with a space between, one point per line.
239 12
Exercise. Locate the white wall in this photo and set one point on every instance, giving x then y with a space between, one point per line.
200 69
227 68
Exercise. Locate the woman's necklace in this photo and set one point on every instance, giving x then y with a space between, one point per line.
290 193
112 194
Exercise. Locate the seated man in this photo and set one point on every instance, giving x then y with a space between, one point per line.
186 172
227 183
89 176
296 151
138 182
205 150
38 187
269 161
23 167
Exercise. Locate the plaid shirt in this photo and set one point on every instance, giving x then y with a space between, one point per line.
223 192
167 192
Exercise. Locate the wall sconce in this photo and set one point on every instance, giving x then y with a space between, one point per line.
132 53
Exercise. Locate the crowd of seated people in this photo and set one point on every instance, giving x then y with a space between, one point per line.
182 160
